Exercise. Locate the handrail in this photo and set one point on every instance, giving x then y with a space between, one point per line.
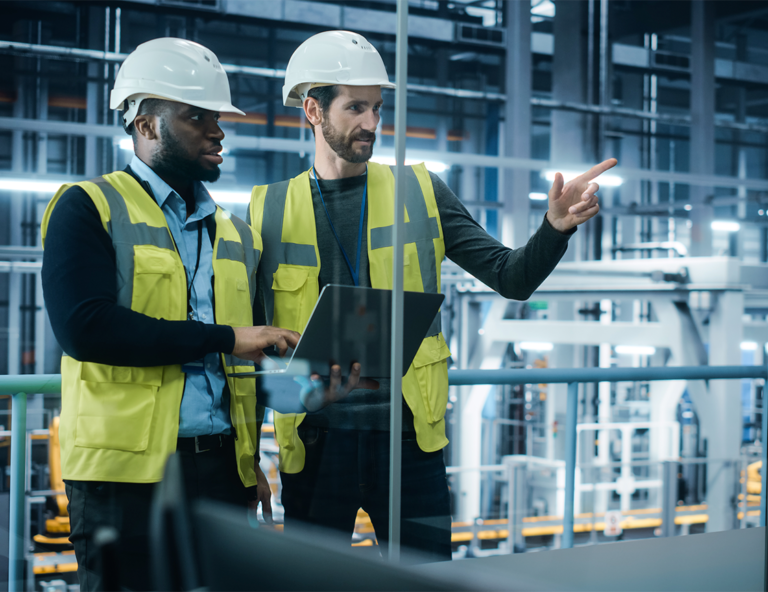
19 385
568 375
49 384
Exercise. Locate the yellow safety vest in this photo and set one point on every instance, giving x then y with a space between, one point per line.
120 423
283 214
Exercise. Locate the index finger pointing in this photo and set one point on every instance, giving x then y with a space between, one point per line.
599 169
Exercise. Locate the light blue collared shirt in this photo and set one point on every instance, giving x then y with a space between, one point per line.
204 406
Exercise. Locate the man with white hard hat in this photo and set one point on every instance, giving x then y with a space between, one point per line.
336 460
150 288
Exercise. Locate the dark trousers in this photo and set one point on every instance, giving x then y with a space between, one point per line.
126 508
349 469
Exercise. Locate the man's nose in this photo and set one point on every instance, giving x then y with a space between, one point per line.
371 121
216 132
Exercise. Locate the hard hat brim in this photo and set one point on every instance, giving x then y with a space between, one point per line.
217 106
291 98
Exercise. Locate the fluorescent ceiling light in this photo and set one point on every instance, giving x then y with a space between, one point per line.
603 180
432 165
543 8
726 225
30 185
535 346
538 196
230 197
640 350
126 144
748 346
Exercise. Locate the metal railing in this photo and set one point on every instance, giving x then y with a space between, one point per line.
19 386
576 375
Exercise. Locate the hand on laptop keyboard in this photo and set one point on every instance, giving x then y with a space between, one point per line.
250 342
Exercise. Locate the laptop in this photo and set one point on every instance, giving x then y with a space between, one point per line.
354 324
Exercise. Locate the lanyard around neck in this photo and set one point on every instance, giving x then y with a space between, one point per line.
355 272
197 266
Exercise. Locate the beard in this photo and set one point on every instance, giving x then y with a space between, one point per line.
344 145
173 158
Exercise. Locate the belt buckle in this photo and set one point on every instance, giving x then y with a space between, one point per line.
197 446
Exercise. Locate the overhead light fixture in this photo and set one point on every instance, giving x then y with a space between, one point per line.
726 225
535 346
231 197
639 350
748 346
687 207
603 180
30 185
227 196
432 165
538 196
544 8
126 144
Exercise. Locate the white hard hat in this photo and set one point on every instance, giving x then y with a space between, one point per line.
175 70
332 57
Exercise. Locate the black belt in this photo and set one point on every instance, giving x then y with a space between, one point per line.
202 443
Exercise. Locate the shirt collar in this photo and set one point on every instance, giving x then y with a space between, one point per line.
204 204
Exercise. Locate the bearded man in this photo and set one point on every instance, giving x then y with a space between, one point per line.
336 460
150 288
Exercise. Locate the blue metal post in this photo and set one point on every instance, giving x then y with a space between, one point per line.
764 469
570 463
763 492
18 466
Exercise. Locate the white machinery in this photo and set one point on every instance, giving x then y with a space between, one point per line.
677 311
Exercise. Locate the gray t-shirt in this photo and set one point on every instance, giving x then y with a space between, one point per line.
513 273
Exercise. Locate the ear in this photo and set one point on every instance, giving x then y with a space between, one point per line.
147 126
313 111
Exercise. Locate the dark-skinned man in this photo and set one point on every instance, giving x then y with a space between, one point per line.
150 289
336 460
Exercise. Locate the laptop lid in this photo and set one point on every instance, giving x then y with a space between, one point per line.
354 324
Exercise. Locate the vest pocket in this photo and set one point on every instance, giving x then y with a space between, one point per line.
155 272
430 369
288 289
116 406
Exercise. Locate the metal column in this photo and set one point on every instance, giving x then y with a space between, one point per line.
517 473
668 497
763 471
18 465
517 123
721 420
396 395
570 463
702 120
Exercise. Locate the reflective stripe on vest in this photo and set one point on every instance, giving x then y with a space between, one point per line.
420 229
244 251
279 252
125 235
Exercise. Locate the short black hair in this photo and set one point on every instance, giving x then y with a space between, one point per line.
147 107
325 96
